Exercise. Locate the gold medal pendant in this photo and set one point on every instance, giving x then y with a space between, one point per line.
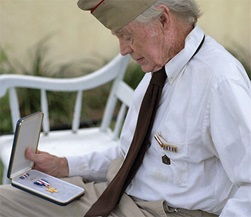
52 190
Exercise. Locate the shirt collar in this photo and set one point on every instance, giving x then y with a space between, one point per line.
177 63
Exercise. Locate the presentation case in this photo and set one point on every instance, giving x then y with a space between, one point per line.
20 170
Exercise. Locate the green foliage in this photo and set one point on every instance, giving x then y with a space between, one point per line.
5 120
1 172
6 66
39 65
133 75
243 56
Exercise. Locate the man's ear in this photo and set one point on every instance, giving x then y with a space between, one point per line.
165 16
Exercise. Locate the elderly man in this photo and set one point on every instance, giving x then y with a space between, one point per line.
186 141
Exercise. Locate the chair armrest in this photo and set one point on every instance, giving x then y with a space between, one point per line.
85 82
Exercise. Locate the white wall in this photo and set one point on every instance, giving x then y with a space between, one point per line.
229 22
77 34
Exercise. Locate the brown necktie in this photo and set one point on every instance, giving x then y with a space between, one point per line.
112 194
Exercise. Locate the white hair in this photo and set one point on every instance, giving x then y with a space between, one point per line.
186 9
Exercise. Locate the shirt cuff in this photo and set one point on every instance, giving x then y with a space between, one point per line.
78 166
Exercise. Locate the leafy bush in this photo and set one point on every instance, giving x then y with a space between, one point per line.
39 65
243 56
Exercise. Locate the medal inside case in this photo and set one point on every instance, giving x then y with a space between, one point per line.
20 170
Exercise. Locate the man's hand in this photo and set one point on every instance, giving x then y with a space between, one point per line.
48 163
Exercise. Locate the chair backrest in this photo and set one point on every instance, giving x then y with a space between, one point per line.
114 70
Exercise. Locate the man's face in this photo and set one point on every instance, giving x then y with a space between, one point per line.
145 43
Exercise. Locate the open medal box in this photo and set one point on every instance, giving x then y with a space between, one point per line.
20 170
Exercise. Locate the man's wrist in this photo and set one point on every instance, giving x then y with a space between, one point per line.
63 168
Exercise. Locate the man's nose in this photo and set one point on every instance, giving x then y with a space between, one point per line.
125 47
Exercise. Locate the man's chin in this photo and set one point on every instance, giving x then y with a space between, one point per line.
146 68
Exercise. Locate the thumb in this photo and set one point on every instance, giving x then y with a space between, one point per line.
29 153
34 156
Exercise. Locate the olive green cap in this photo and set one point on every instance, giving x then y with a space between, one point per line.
115 14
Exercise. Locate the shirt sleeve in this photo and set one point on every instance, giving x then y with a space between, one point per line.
93 166
230 116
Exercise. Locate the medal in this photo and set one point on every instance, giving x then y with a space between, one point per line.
24 176
42 182
45 183
166 160
163 145
51 190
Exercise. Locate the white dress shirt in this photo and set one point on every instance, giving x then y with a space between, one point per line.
205 112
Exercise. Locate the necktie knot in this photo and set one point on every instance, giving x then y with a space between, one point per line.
159 77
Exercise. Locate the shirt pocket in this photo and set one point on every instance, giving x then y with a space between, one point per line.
177 171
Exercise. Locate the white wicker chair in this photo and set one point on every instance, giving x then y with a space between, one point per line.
74 141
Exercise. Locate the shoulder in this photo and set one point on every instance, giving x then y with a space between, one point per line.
216 62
